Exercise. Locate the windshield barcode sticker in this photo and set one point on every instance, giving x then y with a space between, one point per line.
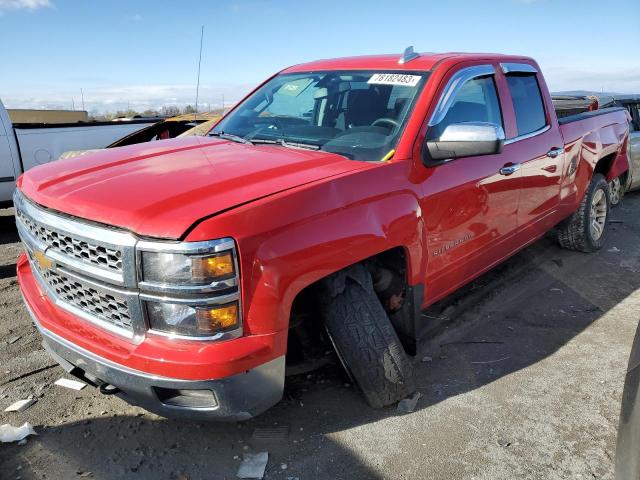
394 79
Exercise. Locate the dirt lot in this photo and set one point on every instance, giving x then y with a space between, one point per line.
522 379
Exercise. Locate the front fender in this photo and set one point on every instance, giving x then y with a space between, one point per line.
291 240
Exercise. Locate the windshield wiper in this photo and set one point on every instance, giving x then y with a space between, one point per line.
230 136
284 143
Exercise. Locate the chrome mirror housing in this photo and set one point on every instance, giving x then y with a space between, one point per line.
467 139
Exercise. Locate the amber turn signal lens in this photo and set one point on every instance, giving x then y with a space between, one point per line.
217 318
207 268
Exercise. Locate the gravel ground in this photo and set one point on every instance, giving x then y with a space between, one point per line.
521 377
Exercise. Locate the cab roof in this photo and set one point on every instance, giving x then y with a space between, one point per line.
424 62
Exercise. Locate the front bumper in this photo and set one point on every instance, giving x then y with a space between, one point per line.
238 397
231 380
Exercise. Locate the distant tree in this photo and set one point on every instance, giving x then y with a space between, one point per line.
170 111
150 113
188 109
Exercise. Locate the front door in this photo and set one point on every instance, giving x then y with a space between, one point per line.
469 204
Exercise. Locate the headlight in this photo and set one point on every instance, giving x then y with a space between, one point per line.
196 321
191 289
188 267
182 269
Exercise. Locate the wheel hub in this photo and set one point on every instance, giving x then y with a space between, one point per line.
598 214
615 188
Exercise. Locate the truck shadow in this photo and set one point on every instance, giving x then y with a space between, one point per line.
8 231
506 321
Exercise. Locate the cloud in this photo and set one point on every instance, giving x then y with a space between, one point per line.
137 97
136 17
31 5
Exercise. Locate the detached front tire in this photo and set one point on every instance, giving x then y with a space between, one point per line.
365 340
585 230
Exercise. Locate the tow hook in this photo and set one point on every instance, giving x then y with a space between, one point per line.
108 389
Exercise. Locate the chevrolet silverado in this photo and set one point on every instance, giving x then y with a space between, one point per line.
330 206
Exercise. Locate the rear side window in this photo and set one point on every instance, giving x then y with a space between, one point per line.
476 101
527 103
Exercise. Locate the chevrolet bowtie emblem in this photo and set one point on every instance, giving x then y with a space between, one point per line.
44 262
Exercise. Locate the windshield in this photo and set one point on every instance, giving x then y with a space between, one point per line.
358 114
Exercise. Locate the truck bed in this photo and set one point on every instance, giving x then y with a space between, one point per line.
585 115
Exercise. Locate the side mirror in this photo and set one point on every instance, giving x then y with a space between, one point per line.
462 140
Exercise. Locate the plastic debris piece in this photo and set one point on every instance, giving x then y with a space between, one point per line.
427 359
409 404
613 250
20 405
504 443
13 340
253 465
9 433
72 384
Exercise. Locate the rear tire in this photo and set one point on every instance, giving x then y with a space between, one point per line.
367 344
586 229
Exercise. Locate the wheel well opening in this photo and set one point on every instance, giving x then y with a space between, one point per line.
308 345
604 165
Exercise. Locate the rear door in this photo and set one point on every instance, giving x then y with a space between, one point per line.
536 147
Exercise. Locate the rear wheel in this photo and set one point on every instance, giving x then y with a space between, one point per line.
616 189
367 344
586 229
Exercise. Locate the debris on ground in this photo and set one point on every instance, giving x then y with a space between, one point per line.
504 443
9 433
20 405
613 250
409 404
427 359
13 340
267 434
72 384
253 465
491 361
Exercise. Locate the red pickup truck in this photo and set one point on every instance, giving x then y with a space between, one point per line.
327 208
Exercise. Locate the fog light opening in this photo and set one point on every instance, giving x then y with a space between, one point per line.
186 398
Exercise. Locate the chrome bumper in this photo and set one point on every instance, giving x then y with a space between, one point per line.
234 398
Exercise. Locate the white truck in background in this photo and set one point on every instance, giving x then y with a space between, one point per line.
24 146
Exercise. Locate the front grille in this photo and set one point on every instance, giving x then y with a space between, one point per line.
106 306
85 268
65 244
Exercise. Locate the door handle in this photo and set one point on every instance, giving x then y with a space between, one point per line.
550 168
554 152
510 169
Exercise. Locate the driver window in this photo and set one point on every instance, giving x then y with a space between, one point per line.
476 101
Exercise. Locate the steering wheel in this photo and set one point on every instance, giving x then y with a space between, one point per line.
389 121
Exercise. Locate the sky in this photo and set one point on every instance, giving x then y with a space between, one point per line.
144 54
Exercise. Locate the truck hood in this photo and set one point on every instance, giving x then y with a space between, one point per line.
160 189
